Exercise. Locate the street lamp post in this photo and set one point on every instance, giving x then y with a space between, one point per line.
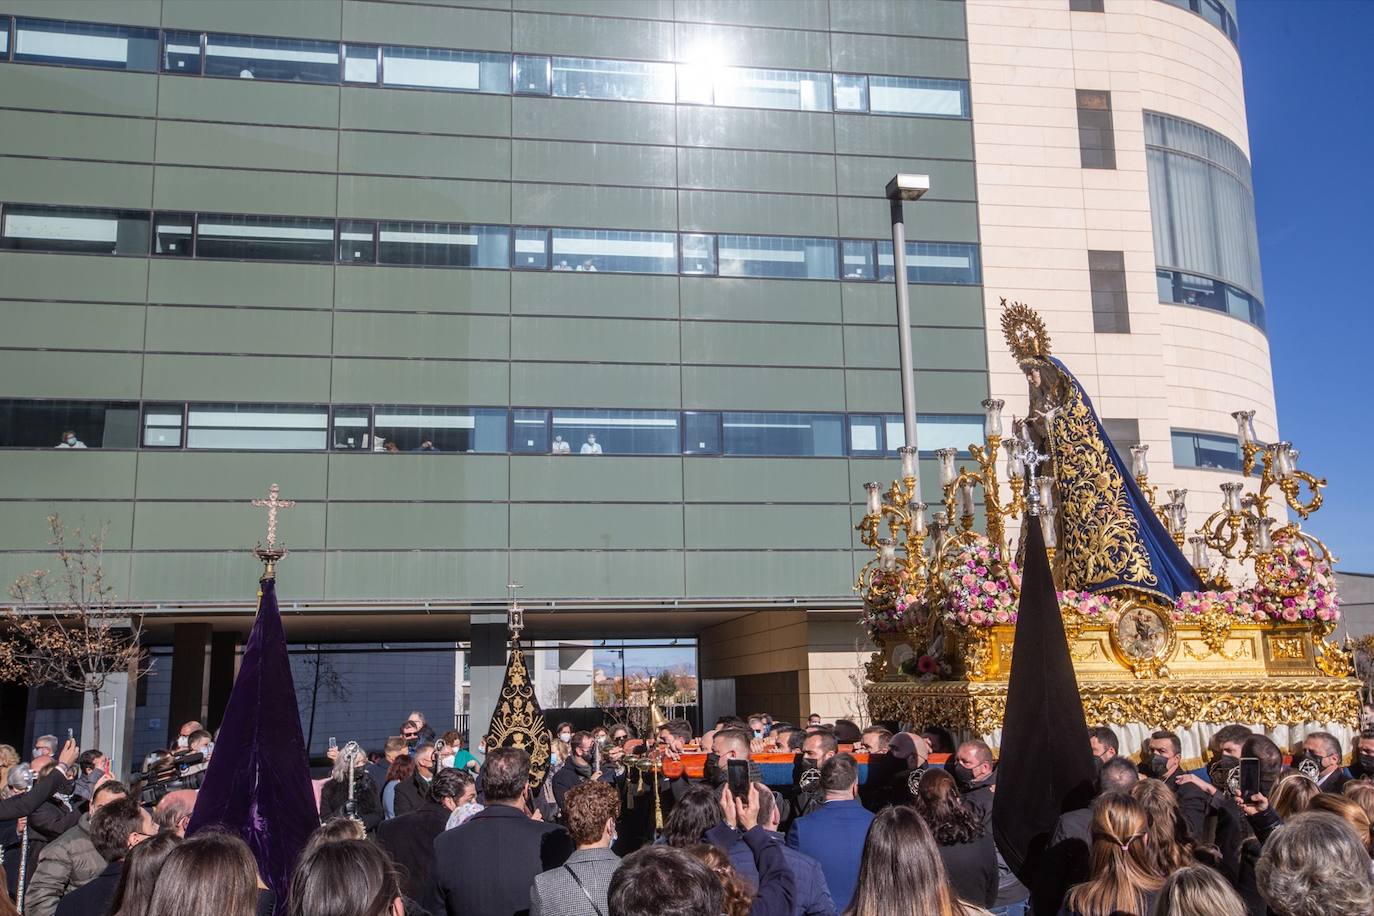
901 188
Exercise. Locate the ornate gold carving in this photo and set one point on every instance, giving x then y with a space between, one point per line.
1025 331
1215 628
977 655
1332 659
517 721
1144 639
1287 647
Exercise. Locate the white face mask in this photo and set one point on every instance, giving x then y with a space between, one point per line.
565 737
446 761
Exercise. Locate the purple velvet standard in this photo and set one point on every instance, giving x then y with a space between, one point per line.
258 782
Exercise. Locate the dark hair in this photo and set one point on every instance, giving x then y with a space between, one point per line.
578 738
1118 775
401 769
1333 744
678 728
347 878
901 869
1171 738
109 786
839 773
1231 734
211 874
731 722
587 807
846 732
738 737
1105 737
697 811
943 742
449 783
505 774
828 743
87 759
664 881
136 879
334 830
111 826
1270 758
739 896
937 801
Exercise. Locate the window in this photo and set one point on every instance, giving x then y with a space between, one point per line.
905 95
634 81
439 429
1085 6
616 432
698 253
352 429
851 92
4 37
357 242
1096 143
532 75
1123 434
83 44
865 435
858 262
257 426
742 87
68 424
1206 450
783 434
288 59
700 433
530 431
777 256
1204 292
1107 278
933 262
443 245
74 230
531 249
611 250
181 52
173 234
264 238
1220 13
162 425
362 64
934 432
436 68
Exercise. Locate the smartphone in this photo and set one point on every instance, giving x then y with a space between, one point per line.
1249 777
333 744
737 776
70 737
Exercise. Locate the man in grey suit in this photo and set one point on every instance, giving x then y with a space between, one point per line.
581 885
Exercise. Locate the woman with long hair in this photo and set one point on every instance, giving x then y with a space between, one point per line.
1197 890
1123 882
739 896
211 874
966 847
697 811
367 798
141 867
1348 810
1292 795
346 878
1170 847
901 872
401 769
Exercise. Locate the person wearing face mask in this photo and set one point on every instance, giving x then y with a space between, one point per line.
581 885
1324 750
808 795
1163 760
975 775
1363 766
1103 743
455 756
69 440
579 768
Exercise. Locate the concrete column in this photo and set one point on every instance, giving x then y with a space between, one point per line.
116 712
223 669
486 670
189 642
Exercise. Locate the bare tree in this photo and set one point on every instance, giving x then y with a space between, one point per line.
65 629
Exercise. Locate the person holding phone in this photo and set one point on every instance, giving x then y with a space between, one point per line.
740 805
834 834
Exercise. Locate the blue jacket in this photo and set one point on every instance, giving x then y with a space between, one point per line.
813 895
834 836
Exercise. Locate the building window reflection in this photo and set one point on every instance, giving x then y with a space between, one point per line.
698 253
285 59
777 256
85 44
181 52
622 80
443 244
438 68
617 432
253 427
438 429
531 249
1210 451
533 75
74 230
68 424
595 250
362 64
933 262
264 238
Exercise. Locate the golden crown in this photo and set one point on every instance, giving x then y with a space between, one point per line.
1025 331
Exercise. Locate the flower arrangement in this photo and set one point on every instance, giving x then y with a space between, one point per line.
1303 589
1237 604
981 592
1087 604
925 667
906 612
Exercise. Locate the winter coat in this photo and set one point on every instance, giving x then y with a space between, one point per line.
334 799
65 864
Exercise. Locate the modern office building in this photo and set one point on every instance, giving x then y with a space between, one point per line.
592 295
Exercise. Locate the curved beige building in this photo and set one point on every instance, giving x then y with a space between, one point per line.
1114 195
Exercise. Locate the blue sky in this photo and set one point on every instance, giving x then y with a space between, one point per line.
1307 87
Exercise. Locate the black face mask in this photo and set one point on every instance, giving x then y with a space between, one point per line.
1366 762
963 776
714 776
1159 765
1219 771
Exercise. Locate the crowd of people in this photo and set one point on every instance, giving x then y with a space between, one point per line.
616 828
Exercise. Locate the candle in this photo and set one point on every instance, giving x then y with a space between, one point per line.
1046 485
1199 545
887 554
1230 497
1047 529
1264 541
947 471
1180 507
992 420
918 518
1016 468
1283 460
966 498
875 497
1140 465
1245 426
908 456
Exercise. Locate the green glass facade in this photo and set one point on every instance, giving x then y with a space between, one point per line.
754 335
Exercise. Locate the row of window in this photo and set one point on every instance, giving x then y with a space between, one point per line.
1213 451
520 430
1204 292
25 227
51 41
1216 12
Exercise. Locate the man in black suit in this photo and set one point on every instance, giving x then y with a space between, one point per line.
411 793
409 838
115 829
579 768
1324 749
486 866
1066 862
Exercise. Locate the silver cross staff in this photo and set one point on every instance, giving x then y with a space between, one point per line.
272 503
1023 449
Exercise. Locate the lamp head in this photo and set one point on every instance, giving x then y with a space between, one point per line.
905 186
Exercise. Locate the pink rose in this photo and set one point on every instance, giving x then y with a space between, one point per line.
1290 613
978 618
